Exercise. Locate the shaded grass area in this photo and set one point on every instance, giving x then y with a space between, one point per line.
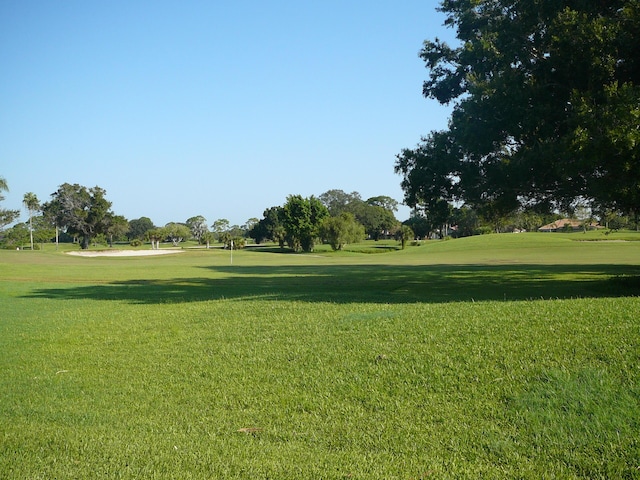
368 283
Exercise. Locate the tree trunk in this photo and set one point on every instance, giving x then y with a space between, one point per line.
31 229
86 239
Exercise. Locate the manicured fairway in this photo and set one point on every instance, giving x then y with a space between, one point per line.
505 356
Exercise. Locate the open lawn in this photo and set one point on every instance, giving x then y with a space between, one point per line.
500 356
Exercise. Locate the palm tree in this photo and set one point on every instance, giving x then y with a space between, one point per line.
31 202
6 216
4 186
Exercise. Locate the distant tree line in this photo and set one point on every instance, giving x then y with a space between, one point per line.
335 217
84 216
450 221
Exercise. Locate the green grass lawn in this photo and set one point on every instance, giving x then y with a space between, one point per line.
501 356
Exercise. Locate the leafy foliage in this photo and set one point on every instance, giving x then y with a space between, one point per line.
270 227
198 227
341 230
404 234
43 229
176 232
384 201
546 107
139 227
81 211
219 227
302 218
378 221
117 228
155 236
338 201
17 236
375 214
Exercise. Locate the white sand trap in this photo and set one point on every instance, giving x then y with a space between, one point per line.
124 253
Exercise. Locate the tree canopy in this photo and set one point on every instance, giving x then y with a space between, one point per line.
270 227
341 230
80 211
198 227
116 227
139 227
338 201
375 214
176 232
546 107
302 218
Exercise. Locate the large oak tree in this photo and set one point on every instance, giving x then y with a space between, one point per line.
546 107
80 211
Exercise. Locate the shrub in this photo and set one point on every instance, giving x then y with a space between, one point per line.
238 242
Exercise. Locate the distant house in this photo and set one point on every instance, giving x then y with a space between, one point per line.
566 224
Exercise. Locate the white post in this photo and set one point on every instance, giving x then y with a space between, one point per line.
231 252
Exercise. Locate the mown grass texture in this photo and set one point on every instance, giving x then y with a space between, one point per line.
328 366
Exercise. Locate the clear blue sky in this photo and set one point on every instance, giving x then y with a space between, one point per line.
219 109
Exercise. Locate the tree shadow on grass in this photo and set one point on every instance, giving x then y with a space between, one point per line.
370 283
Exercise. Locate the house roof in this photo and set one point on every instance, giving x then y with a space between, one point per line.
562 223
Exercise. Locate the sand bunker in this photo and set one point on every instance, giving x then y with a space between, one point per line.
124 253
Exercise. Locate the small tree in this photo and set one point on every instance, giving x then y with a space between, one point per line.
117 226
225 238
302 218
248 226
43 229
219 227
17 236
139 227
198 227
270 227
280 235
234 242
176 232
378 221
341 230
419 224
155 236
404 234
466 219
207 238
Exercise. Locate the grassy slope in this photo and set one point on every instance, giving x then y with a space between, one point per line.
349 365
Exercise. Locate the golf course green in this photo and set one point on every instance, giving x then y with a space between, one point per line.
496 356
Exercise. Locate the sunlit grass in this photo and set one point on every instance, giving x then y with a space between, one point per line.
323 366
